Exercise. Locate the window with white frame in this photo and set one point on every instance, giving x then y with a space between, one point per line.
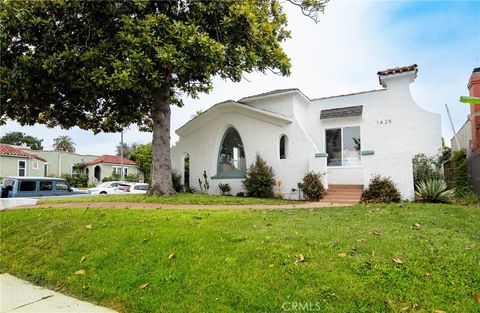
34 165
343 146
118 169
22 168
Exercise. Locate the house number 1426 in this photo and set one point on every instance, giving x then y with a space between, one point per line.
381 122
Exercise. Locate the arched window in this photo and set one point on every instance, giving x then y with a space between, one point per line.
283 147
231 157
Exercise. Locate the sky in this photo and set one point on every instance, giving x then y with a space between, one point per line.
342 54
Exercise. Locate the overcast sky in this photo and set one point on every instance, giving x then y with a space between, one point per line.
342 54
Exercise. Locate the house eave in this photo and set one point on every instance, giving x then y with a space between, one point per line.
230 107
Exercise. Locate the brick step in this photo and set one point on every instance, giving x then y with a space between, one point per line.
343 187
340 201
353 197
344 192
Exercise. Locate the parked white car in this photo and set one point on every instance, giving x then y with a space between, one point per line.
137 188
111 187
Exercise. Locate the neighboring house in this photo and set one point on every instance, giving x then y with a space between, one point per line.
349 138
464 137
17 162
106 165
57 163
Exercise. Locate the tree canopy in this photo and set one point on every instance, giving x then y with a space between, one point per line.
21 139
64 143
104 65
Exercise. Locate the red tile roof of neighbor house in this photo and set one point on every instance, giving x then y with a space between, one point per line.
112 159
398 70
12 151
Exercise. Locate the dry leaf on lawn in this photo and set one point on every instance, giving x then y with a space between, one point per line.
477 297
300 259
89 226
376 233
417 226
439 311
80 272
143 286
343 254
397 260
84 258
171 256
145 240
271 265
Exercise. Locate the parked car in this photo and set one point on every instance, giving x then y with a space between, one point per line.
137 188
25 186
111 187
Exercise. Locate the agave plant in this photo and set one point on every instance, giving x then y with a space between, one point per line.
434 190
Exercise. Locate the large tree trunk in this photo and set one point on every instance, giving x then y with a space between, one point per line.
161 166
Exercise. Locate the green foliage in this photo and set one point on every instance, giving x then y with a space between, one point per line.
224 188
260 179
127 150
177 181
64 143
460 170
312 186
142 156
381 190
425 168
433 190
77 180
114 177
99 69
134 178
21 139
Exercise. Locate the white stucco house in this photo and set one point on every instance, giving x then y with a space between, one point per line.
349 137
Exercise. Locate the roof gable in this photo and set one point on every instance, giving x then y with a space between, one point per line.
15 152
111 159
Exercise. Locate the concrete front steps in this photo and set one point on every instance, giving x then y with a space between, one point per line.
343 194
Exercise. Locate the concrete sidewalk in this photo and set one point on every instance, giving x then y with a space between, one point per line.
17 296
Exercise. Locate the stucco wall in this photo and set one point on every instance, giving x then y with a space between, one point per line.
392 125
9 166
66 160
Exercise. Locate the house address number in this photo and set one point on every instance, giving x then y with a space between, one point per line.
383 122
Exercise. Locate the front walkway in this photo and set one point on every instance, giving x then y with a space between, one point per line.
19 296
138 205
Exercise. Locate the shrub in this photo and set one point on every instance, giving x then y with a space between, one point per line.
459 164
177 181
240 194
260 179
135 178
381 190
224 188
312 186
433 190
111 178
426 168
77 180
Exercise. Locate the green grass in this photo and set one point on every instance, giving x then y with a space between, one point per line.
223 258
180 198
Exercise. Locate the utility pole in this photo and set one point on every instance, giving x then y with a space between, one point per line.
122 175
453 129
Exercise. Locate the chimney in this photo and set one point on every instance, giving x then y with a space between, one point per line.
398 76
474 88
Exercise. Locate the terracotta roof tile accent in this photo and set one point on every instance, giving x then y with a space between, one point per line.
112 159
12 151
398 70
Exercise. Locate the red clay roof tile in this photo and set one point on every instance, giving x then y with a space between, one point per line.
397 70
112 159
9 150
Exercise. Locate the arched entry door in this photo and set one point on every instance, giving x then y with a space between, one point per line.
97 173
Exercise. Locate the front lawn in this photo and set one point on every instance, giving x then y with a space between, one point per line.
329 259
179 198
